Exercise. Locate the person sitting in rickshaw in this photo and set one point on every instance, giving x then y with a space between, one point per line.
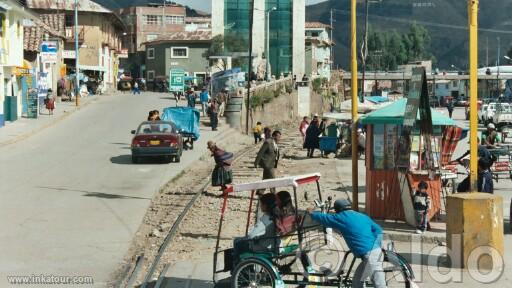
362 235
262 236
285 213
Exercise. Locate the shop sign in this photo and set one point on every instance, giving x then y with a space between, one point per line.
69 54
49 51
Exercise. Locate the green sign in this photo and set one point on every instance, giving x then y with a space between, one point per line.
177 80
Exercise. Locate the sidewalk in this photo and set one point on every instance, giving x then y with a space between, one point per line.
24 127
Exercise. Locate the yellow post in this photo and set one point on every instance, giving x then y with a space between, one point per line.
474 226
355 190
473 88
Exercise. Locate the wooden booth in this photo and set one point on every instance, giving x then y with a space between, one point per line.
389 188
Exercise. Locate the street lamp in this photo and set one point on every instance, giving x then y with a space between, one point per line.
267 47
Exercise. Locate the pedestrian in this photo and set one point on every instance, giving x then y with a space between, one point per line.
222 102
136 89
304 124
361 141
362 235
484 182
214 118
203 97
257 131
49 102
450 107
191 99
268 156
222 174
267 133
312 141
421 204
323 125
490 138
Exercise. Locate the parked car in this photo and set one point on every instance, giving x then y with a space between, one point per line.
503 115
481 112
489 115
157 139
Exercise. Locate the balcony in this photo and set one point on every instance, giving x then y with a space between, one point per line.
70 34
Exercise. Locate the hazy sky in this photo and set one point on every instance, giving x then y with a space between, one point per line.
206 5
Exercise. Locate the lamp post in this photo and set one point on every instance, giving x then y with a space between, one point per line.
267 47
77 65
498 88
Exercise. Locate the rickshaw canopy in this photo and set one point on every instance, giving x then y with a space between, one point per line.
291 181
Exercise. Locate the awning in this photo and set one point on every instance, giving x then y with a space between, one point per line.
394 114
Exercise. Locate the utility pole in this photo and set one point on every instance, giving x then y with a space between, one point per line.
77 56
332 52
364 48
355 185
248 104
498 88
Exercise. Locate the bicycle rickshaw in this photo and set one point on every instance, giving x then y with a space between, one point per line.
290 262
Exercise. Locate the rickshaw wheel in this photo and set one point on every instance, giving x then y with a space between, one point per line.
253 273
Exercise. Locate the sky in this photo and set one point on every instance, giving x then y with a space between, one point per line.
206 6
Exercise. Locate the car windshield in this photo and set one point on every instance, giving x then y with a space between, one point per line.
504 108
156 128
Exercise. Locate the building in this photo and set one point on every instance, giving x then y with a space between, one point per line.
145 24
13 69
230 18
99 37
185 50
318 50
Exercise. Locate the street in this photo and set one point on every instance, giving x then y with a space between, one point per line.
71 200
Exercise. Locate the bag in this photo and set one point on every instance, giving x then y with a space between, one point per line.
221 177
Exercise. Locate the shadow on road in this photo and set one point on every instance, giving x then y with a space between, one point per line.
127 160
440 261
94 193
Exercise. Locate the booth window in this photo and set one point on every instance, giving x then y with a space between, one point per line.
385 144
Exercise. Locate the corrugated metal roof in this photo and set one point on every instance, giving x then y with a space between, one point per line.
83 5
317 25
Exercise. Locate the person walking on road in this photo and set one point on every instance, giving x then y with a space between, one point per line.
191 99
450 107
268 156
221 99
257 131
312 141
49 102
304 124
362 235
203 97
214 117
222 174
136 89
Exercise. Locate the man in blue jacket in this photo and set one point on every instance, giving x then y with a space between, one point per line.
204 97
363 237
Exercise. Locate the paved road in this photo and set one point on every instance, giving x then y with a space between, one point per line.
71 200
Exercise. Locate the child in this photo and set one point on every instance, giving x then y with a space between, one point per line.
258 129
421 206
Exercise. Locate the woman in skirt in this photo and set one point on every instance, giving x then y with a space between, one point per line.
222 174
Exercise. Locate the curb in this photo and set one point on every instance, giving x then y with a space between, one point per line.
48 125
403 237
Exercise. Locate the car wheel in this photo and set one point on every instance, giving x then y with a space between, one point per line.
177 158
135 159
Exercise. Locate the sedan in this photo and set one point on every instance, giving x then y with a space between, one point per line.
157 139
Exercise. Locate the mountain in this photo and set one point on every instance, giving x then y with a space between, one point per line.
118 4
446 21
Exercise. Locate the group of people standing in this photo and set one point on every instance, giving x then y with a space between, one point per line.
212 107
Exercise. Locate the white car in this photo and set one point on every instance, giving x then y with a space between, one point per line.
490 113
503 115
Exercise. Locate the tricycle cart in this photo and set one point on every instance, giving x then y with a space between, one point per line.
290 261
187 123
501 168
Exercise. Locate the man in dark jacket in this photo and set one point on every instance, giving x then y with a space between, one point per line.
268 156
485 183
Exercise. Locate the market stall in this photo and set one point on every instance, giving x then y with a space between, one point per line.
389 189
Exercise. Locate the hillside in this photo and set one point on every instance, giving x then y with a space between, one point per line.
445 19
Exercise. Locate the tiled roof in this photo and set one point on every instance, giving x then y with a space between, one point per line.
83 5
317 25
195 36
53 24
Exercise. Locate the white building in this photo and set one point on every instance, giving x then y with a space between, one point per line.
318 50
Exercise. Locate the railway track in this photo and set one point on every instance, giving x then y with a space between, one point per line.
243 171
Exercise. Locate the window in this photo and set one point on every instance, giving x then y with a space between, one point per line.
151 37
70 20
151 75
151 53
152 19
179 52
314 34
171 19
